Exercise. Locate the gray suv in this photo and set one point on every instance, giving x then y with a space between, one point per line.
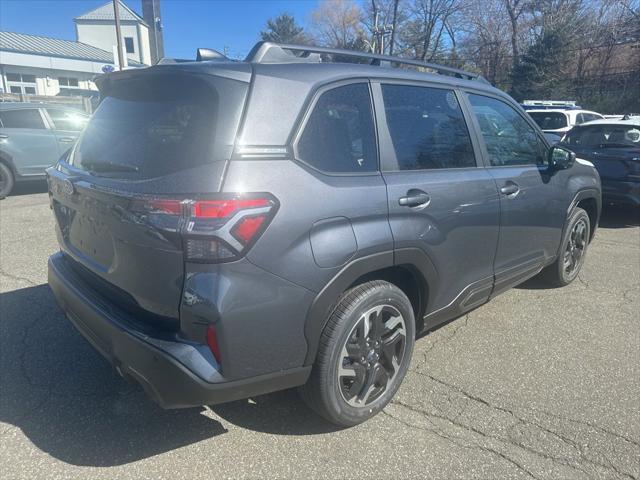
32 138
229 229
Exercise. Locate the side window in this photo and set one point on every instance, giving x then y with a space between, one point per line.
427 128
27 118
339 135
585 137
580 119
510 140
63 120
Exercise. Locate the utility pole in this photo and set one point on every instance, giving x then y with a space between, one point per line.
116 15
379 32
151 15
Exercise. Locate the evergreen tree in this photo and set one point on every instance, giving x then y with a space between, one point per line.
283 29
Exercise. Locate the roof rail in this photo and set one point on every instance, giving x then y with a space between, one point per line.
269 52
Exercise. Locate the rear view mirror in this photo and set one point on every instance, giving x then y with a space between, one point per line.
560 158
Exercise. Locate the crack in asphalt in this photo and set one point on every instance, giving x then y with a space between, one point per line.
457 326
519 420
441 434
18 278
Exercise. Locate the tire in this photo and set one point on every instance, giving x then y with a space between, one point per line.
347 390
573 250
6 180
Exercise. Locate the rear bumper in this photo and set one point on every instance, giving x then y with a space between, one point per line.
621 192
169 370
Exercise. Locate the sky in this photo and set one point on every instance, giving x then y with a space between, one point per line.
188 24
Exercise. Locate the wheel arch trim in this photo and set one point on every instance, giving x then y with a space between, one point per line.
326 300
585 194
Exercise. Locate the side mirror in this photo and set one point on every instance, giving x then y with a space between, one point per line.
560 158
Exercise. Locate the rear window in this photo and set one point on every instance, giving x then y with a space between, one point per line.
549 120
148 127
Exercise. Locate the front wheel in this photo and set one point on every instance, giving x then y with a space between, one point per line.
572 250
364 354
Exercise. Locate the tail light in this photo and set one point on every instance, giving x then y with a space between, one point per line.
213 230
212 342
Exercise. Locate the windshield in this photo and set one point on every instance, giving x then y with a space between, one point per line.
549 120
148 127
604 135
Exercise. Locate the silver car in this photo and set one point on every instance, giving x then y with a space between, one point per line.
32 138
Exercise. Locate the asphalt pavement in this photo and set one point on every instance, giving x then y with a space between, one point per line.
539 383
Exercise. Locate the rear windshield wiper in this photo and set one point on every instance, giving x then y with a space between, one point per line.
108 166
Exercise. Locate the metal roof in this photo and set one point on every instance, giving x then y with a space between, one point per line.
105 12
53 47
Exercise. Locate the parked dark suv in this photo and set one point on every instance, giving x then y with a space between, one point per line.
229 229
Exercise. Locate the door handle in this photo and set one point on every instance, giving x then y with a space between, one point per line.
510 188
66 139
3 136
414 198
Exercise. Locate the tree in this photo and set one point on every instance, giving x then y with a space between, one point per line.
484 40
429 30
283 29
339 24
540 73
515 9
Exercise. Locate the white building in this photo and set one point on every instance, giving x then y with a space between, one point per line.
32 64
97 28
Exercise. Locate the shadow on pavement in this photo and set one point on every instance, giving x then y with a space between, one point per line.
619 216
71 404
68 400
280 413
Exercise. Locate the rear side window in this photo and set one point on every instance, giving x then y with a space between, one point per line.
549 120
588 117
427 128
27 118
603 136
339 135
510 140
66 120
148 127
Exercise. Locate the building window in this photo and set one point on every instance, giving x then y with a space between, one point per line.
21 83
128 45
67 82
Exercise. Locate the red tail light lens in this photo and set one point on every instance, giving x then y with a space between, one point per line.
247 228
225 208
212 342
212 230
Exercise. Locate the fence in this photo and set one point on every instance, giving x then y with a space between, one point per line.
81 103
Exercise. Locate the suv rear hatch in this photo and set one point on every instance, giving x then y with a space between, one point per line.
160 136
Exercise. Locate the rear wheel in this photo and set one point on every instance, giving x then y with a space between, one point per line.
572 251
364 354
6 180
